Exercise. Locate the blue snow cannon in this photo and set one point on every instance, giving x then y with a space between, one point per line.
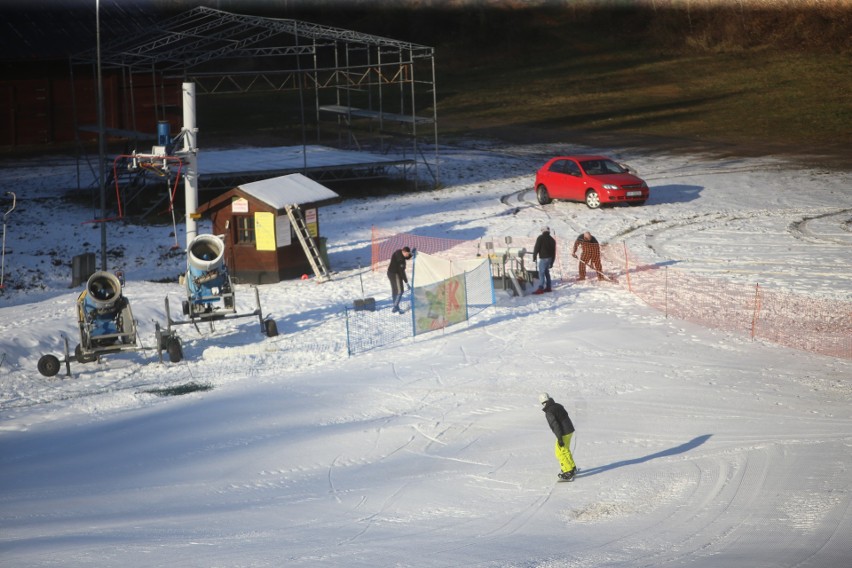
208 284
209 290
101 306
103 313
105 319
106 326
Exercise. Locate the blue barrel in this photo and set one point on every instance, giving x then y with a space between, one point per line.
164 137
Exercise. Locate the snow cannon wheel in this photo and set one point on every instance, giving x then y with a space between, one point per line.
175 350
48 365
270 328
81 357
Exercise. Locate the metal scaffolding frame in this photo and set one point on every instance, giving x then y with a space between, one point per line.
361 89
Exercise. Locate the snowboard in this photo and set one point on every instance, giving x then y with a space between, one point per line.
560 480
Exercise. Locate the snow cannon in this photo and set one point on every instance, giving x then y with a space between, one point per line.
104 317
208 285
106 325
209 290
103 311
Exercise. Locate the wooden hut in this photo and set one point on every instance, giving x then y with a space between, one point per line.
257 220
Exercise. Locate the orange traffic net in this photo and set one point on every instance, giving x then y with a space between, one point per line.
818 325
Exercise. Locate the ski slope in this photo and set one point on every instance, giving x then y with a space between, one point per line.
696 447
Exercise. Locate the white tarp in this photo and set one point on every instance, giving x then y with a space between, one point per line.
429 269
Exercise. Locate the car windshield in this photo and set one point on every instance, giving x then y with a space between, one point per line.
601 167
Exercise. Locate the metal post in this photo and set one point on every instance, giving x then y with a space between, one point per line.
415 148
435 122
3 262
101 139
756 313
190 151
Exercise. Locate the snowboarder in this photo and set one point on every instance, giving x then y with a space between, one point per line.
591 255
563 428
396 275
545 251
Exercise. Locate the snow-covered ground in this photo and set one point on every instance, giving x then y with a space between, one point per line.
696 447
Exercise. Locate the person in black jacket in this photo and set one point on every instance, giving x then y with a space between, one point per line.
563 428
396 275
545 251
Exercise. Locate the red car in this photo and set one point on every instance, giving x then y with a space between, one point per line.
597 180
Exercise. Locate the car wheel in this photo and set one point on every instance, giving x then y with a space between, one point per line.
542 196
593 200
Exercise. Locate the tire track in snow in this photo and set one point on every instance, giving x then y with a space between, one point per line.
752 244
520 197
801 229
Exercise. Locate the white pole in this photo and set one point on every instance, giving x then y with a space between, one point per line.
190 151
101 138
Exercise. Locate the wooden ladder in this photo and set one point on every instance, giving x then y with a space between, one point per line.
309 244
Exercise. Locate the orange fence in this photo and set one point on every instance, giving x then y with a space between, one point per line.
818 325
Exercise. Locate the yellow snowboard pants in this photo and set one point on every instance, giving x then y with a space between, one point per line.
563 453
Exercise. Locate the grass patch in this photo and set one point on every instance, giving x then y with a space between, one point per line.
753 99
748 97
754 76
179 389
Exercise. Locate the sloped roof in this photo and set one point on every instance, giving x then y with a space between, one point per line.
277 193
292 189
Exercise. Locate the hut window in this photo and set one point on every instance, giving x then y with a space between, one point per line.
245 230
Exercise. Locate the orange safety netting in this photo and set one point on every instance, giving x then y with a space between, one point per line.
819 325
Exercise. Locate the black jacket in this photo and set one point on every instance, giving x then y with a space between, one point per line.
397 265
558 419
545 246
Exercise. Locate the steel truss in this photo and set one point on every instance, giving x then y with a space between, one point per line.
361 90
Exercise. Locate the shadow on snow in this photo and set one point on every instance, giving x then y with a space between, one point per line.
690 445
